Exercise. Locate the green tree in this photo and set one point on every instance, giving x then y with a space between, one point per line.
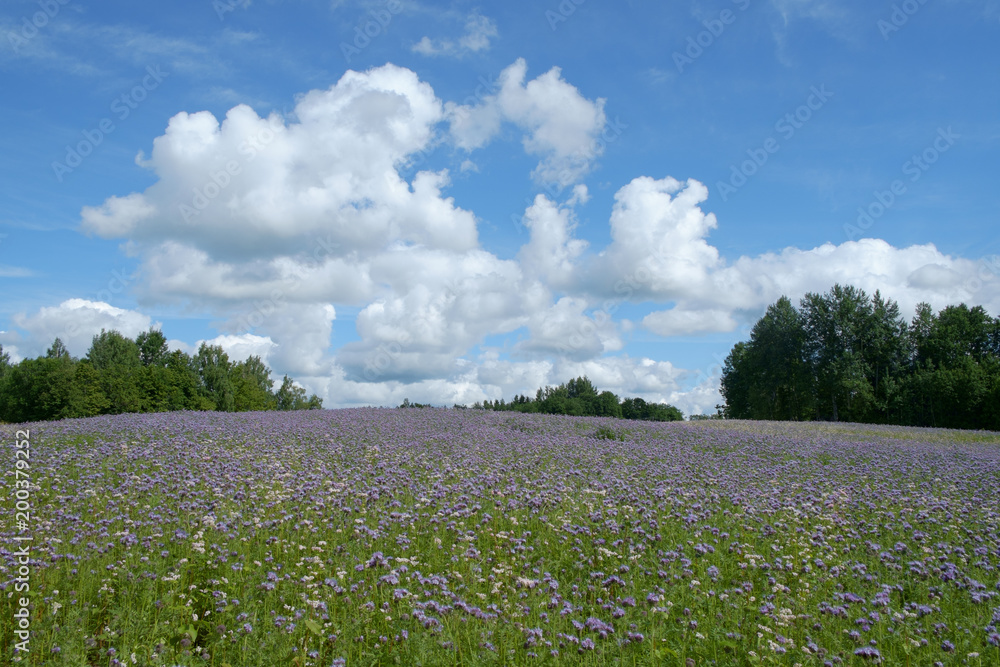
608 405
736 385
920 332
887 353
959 332
110 349
116 360
835 325
186 388
121 375
87 397
782 382
866 364
956 397
252 385
57 351
991 411
554 401
633 408
663 412
216 374
38 389
153 349
4 363
290 396
580 387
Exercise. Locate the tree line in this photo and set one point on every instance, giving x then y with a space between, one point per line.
845 356
578 397
120 375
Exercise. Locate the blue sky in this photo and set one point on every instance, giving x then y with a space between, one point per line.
455 201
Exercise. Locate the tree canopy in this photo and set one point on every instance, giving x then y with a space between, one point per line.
120 375
579 397
848 356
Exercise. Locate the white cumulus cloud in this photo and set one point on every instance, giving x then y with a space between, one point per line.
559 124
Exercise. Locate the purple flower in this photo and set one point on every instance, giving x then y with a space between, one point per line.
868 653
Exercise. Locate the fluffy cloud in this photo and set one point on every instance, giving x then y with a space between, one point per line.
908 275
479 30
934 277
565 330
426 325
252 186
311 206
701 399
658 241
679 322
660 252
559 124
551 252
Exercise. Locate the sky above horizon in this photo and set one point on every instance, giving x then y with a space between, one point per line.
451 202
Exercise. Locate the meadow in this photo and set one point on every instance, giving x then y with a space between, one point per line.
439 537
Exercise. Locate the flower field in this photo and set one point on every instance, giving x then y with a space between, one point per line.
438 537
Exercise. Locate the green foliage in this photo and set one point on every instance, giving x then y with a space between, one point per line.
607 405
37 388
111 350
252 385
847 356
778 345
4 363
736 385
579 397
608 433
637 408
293 397
89 399
153 350
121 375
57 351
116 360
406 404
835 343
216 375
290 395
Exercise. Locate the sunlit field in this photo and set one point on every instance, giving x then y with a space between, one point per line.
438 537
